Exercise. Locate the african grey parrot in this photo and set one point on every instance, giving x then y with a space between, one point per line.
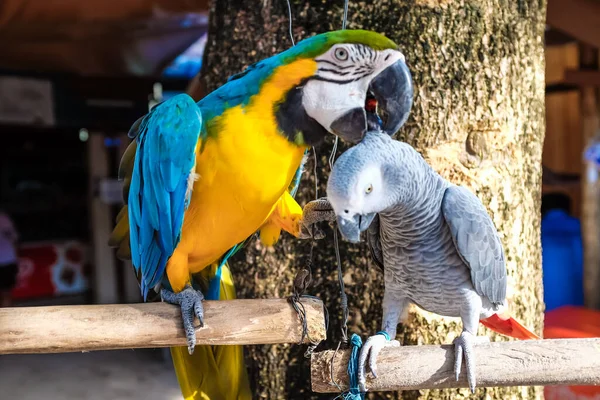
435 241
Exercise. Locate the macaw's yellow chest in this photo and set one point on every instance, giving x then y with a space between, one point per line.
242 173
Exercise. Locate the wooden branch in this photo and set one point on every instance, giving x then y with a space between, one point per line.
64 329
514 363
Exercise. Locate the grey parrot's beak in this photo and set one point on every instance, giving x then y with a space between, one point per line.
352 227
393 90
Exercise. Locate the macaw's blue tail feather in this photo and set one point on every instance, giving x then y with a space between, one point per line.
213 372
214 286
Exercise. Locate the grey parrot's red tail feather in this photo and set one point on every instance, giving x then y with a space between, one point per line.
507 325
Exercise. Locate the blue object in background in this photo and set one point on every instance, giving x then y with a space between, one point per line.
187 64
562 259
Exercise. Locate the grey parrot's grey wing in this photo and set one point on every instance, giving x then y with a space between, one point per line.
374 242
477 242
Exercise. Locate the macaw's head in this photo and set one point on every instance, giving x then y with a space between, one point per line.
337 82
360 79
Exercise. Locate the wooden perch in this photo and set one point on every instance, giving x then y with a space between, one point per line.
514 363
64 329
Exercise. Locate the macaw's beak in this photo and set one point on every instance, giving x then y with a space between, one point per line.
353 226
387 106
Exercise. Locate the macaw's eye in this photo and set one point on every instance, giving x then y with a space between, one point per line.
341 54
369 189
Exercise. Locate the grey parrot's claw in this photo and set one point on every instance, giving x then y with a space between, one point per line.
463 348
458 356
190 301
369 353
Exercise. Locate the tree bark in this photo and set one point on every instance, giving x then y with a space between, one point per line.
478 118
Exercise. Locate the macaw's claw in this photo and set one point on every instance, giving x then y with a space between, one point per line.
369 352
315 212
463 346
190 301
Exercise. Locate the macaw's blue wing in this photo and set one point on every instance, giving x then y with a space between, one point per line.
161 181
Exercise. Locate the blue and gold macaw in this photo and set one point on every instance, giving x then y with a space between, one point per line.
200 178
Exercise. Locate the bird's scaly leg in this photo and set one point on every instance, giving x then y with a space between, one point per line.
190 301
394 309
463 345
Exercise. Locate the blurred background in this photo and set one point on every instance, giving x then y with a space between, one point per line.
74 76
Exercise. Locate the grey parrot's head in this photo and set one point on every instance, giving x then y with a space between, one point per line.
369 178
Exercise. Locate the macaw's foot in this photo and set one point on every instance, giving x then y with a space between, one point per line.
190 301
314 213
463 346
370 351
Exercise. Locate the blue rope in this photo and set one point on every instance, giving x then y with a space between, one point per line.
354 391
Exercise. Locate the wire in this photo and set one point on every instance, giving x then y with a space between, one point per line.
333 153
345 18
343 296
315 174
289 6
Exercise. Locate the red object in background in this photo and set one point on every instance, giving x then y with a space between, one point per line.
49 269
35 278
572 322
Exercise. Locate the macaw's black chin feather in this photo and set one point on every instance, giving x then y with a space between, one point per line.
295 123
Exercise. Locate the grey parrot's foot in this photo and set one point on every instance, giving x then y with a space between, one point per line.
463 346
190 301
315 212
370 351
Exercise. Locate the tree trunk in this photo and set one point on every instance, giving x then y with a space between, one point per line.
478 118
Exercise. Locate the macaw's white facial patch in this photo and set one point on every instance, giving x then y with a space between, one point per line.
327 101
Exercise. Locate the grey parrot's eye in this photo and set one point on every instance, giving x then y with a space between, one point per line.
346 211
341 54
369 189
